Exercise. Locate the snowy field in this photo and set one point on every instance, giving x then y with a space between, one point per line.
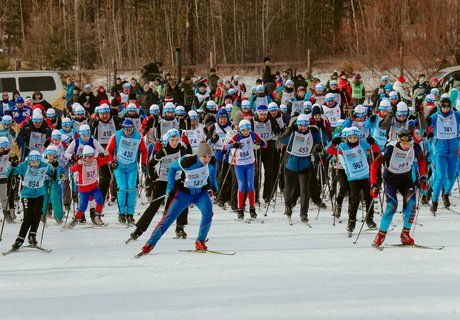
279 272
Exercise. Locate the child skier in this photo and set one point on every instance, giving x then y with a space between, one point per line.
34 171
88 177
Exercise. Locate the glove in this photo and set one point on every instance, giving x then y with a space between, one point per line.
430 135
75 158
260 143
336 141
423 183
157 146
372 118
374 191
64 177
144 168
236 145
80 162
418 105
55 164
370 140
214 138
185 139
293 128
393 109
318 148
14 163
114 165
320 124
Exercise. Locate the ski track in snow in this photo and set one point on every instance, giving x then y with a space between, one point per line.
279 272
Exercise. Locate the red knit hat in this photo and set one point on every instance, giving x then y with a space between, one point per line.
401 79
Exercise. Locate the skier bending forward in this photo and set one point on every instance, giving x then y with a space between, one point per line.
197 185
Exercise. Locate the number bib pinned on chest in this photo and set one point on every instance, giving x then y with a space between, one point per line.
355 163
301 145
34 177
105 131
89 173
446 127
127 150
196 178
37 141
401 161
245 154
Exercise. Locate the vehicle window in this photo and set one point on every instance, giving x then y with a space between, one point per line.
36 83
7 84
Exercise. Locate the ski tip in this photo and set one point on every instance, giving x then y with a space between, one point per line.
140 254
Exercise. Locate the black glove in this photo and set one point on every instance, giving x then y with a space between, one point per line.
101 154
336 140
430 135
55 163
318 148
370 140
372 118
214 138
14 163
260 143
236 145
320 124
75 158
114 165
144 168
393 109
293 128
418 105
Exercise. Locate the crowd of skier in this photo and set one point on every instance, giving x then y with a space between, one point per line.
231 146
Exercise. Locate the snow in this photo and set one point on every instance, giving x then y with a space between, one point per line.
279 272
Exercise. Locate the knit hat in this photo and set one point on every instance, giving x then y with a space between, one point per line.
316 110
204 150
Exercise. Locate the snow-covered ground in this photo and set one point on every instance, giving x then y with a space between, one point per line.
279 272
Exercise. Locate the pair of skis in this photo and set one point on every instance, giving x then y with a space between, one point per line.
140 254
416 246
30 246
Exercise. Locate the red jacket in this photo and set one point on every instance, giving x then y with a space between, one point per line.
79 168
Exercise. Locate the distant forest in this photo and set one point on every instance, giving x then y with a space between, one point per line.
88 34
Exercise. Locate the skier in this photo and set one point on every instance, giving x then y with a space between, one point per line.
34 171
161 161
53 194
301 141
445 124
398 158
198 182
6 160
353 157
244 165
124 148
88 177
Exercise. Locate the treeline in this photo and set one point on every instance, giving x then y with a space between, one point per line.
87 34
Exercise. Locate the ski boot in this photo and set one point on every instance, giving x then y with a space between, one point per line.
92 214
303 218
200 245
252 212
122 218
180 232
338 211
82 219
59 220
18 243
222 205
288 211
406 238
434 208
147 248
98 221
321 204
135 234
130 219
445 199
370 223
8 217
33 239
424 199
72 223
240 214
379 238
351 227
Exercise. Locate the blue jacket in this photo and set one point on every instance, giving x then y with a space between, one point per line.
19 114
187 163
448 146
295 163
33 192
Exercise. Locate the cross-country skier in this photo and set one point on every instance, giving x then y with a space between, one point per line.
198 181
398 158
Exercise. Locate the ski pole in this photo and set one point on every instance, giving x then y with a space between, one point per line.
47 204
156 199
416 213
225 178
278 175
320 170
362 224
7 203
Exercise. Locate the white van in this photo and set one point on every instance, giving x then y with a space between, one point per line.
27 82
